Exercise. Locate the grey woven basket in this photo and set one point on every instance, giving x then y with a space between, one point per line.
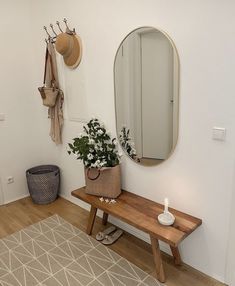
43 183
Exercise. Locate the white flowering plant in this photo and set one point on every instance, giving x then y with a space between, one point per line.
127 144
95 147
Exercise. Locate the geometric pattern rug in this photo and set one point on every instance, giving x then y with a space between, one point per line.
53 252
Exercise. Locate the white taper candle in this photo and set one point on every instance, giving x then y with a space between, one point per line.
166 203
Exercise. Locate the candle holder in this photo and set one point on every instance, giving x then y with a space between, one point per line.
166 218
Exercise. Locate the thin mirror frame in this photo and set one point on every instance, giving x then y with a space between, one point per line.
178 93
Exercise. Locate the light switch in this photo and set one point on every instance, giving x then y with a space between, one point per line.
219 133
2 117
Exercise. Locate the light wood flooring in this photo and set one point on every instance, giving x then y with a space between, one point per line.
24 212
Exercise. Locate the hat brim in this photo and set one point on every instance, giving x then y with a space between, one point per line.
74 59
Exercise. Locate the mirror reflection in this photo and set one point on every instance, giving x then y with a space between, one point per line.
146 79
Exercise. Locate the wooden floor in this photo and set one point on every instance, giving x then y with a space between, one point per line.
22 213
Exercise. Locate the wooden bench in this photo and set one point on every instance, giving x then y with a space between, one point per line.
142 214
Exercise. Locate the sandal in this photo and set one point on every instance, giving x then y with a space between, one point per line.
102 234
110 239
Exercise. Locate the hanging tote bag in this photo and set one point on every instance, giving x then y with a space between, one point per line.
49 94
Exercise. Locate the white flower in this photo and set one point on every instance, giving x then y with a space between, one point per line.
90 156
107 200
97 164
133 152
101 199
103 163
91 141
100 132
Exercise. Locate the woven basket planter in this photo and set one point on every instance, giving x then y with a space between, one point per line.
43 183
104 182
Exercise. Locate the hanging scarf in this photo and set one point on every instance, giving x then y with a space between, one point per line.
55 113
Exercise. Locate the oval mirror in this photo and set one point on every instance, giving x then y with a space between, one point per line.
146 81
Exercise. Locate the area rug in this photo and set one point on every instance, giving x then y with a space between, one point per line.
54 252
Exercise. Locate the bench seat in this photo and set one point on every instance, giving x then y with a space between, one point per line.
142 213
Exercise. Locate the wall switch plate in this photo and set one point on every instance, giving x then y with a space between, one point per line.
2 117
219 133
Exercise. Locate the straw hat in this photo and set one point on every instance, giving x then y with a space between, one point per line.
70 47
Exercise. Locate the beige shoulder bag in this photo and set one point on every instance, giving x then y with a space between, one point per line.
49 94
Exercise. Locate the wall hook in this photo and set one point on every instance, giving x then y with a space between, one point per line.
53 29
45 28
58 24
69 31
65 21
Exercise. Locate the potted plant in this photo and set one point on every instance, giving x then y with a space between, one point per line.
101 160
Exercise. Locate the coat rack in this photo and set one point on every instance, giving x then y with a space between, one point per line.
51 38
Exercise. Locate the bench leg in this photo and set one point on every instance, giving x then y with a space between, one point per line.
176 255
105 218
91 220
157 259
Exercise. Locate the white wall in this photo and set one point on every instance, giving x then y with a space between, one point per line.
198 176
21 134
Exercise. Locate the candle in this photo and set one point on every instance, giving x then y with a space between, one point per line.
166 203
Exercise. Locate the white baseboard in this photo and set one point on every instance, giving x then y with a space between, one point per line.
15 199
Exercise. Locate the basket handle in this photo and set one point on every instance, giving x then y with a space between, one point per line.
90 178
57 173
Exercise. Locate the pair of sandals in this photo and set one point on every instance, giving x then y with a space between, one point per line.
109 235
